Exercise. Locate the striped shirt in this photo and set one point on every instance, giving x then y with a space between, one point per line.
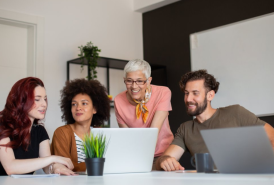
79 145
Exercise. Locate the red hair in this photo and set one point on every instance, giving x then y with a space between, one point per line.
14 120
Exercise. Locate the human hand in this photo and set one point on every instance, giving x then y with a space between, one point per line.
168 163
63 160
62 170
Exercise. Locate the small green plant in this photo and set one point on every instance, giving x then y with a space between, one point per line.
95 146
91 54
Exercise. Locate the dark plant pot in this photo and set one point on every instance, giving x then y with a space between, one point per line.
95 166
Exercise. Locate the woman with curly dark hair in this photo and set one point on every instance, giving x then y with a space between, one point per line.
24 144
84 104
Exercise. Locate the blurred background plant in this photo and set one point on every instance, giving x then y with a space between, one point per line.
91 54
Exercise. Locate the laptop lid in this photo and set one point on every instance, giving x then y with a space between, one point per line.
240 150
129 150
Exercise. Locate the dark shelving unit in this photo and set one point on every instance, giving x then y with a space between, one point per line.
158 72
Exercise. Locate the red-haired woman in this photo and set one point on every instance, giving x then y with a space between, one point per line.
24 144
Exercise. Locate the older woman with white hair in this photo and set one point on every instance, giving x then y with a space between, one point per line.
144 105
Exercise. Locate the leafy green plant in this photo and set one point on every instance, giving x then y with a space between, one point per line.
95 146
91 54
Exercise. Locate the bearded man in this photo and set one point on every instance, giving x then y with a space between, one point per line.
200 88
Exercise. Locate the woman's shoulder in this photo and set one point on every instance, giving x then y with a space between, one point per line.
121 97
66 129
4 141
160 89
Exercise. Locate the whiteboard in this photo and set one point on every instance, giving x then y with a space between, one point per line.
241 57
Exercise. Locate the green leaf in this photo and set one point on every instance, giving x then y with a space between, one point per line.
94 146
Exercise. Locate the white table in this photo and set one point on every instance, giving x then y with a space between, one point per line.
152 178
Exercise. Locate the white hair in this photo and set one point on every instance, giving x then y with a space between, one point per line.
138 65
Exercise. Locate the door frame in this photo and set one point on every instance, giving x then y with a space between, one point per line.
35 47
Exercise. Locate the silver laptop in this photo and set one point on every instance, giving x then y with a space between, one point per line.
240 150
129 150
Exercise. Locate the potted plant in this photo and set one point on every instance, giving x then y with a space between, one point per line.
95 148
91 54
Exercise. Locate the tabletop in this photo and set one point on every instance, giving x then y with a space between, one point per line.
151 178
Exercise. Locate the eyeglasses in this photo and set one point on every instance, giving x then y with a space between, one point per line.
138 82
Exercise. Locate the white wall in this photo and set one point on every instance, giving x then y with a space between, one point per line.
111 25
240 56
12 38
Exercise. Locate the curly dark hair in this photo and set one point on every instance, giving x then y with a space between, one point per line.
97 93
210 82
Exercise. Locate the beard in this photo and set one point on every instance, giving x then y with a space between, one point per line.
200 108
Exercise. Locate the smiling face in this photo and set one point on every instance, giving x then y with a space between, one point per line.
82 109
195 97
135 91
39 107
